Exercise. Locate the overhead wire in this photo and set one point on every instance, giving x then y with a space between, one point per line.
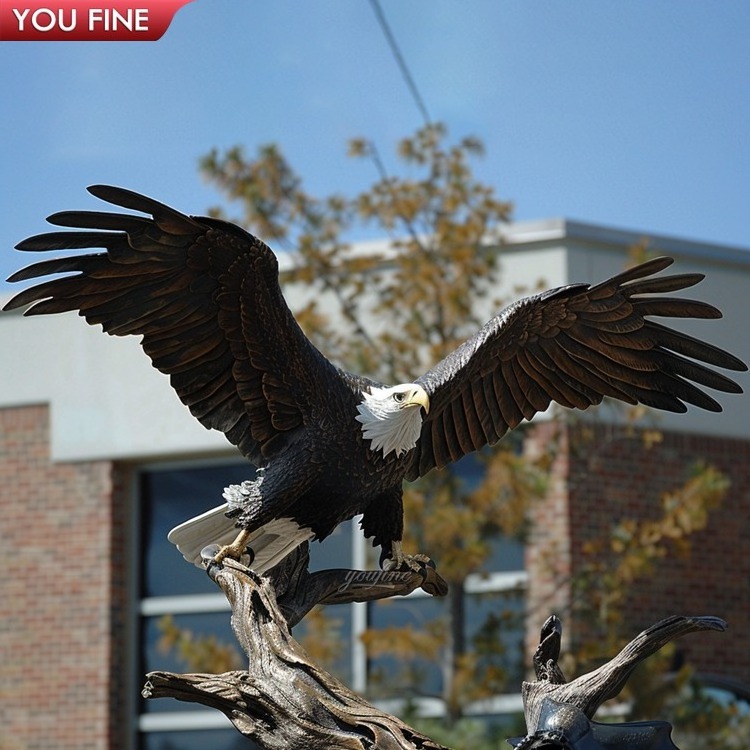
400 61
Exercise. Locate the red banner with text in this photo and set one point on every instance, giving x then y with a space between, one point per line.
86 20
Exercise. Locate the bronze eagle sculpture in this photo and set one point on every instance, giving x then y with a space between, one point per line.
204 295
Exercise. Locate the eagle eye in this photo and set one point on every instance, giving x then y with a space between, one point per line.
399 397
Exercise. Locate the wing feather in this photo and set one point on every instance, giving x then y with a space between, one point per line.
476 430
535 399
595 381
574 346
546 389
508 394
461 420
426 452
482 412
566 373
205 297
676 308
440 442
499 424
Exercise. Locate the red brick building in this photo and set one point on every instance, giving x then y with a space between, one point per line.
64 601
613 476
98 459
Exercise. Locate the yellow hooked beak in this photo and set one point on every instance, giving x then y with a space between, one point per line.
418 397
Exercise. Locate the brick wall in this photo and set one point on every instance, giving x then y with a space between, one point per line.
714 576
548 557
609 475
62 594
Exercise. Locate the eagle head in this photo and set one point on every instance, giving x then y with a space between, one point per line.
389 418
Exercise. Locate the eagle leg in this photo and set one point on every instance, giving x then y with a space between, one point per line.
245 501
398 560
236 549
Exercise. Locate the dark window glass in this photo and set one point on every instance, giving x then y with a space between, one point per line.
493 627
216 739
506 555
495 630
169 497
204 631
392 674
507 552
335 551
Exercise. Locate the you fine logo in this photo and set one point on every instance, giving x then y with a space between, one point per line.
86 20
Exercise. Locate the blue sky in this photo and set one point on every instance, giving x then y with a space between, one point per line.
630 114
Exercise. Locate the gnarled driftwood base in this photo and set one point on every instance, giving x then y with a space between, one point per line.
284 701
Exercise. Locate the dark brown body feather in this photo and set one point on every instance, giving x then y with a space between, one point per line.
205 297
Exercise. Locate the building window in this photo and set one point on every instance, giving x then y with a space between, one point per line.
173 590
174 593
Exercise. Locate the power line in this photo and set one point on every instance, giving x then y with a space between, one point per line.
400 60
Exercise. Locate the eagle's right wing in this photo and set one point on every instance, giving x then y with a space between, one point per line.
205 296
574 346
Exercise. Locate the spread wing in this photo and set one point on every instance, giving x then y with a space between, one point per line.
572 345
205 296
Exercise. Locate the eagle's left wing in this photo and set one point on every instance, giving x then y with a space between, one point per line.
572 345
204 297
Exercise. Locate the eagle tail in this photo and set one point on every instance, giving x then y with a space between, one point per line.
270 543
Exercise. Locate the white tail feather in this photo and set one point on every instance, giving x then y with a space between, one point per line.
271 543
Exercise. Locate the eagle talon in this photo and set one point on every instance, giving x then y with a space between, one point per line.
401 561
236 550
